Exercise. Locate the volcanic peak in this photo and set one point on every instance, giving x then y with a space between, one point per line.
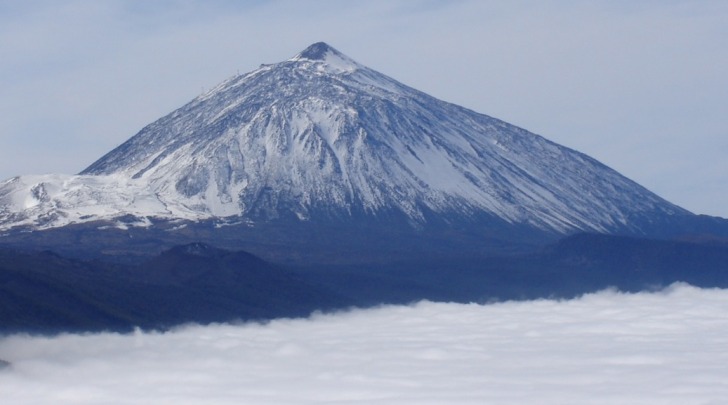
326 59
317 51
319 137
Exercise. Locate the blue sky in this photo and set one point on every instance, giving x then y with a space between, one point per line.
641 86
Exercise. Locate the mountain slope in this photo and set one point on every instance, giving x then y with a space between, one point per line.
44 292
321 137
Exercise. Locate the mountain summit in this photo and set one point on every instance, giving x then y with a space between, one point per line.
320 51
320 137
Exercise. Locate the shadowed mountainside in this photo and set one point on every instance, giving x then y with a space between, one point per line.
46 293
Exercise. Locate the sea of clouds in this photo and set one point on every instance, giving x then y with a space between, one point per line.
665 347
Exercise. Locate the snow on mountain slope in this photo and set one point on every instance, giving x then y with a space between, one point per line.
320 134
44 201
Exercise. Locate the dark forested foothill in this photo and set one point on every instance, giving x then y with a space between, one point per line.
42 292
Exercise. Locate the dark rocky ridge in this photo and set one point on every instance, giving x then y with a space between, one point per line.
42 292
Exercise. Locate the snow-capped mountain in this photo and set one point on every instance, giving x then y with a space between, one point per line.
322 136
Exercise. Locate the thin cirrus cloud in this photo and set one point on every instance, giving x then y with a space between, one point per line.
663 347
638 85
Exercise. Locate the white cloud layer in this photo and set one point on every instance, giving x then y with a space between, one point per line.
607 348
638 85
